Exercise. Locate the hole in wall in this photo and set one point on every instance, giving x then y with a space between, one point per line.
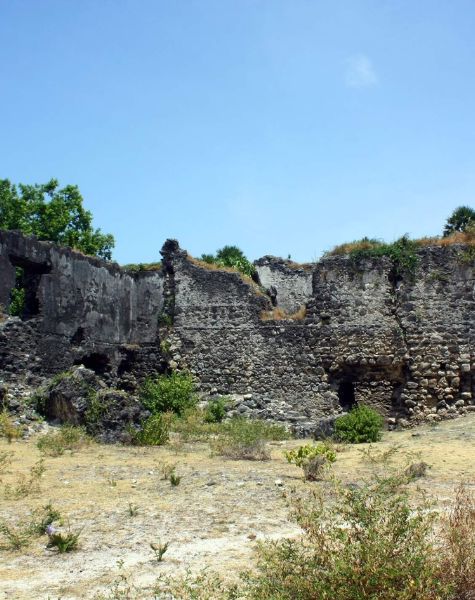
78 337
346 395
96 361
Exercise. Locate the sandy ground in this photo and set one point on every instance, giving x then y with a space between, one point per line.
211 519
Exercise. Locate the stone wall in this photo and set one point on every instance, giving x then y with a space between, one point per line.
367 335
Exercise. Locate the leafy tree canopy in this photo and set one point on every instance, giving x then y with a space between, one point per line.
230 256
52 214
459 220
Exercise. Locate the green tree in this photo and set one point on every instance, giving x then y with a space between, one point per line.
230 256
53 214
459 220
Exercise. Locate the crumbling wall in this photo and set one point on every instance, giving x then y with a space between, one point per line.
289 284
78 309
399 341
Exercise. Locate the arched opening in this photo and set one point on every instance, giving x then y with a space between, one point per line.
346 395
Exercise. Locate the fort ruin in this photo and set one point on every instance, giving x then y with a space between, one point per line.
302 344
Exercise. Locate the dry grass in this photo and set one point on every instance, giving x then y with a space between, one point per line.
278 314
467 238
458 541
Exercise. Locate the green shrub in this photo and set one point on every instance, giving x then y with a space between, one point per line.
312 459
169 393
215 410
155 431
69 437
362 424
368 543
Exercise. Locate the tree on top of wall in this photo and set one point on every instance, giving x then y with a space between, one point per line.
459 220
230 256
54 214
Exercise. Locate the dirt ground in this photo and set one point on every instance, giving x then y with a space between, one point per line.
211 519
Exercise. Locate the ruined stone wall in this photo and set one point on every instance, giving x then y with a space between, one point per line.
289 284
78 309
400 343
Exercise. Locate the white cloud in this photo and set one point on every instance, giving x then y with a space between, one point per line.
360 72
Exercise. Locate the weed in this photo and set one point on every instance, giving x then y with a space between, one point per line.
8 429
192 426
132 510
312 459
457 534
14 538
166 469
42 518
64 542
245 439
155 431
69 437
416 470
5 460
159 550
175 479
215 410
27 485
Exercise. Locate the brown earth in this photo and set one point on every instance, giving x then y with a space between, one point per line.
211 519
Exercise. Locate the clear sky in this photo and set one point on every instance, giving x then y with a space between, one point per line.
282 126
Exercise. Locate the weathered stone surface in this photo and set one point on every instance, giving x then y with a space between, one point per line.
402 344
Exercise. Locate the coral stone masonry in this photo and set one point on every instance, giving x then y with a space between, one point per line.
300 344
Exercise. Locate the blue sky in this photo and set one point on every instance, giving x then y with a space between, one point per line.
284 127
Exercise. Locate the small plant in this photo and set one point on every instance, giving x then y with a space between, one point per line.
175 479
8 429
416 470
191 426
14 538
42 518
215 410
362 424
64 542
169 393
245 439
27 485
312 459
159 550
132 510
5 460
155 430
166 469
69 437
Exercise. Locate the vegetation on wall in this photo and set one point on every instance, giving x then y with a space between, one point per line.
230 256
54 214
